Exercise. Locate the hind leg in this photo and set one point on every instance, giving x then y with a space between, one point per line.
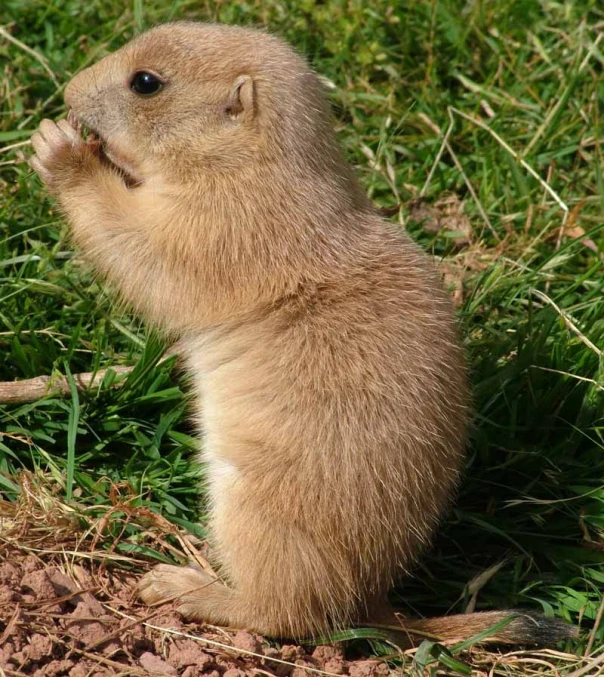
283 581
198 596
275 608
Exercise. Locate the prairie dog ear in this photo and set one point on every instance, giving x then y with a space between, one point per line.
241 100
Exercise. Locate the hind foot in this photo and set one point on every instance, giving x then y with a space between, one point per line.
165 583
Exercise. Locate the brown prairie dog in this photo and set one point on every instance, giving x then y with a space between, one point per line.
331 387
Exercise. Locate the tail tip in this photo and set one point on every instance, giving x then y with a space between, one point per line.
539 629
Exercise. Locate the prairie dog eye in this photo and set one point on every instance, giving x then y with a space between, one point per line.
145 84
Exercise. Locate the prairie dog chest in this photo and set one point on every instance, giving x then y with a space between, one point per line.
211 405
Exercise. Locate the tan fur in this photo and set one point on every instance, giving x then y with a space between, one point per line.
331 387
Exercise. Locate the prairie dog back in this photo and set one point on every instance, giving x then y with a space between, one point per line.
329 379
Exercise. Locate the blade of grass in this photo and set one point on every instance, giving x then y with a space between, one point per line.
72 432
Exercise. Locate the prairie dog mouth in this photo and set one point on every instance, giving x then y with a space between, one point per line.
107 154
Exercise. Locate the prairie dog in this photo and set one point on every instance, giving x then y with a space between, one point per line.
331 385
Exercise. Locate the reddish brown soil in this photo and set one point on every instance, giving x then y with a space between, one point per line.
66 619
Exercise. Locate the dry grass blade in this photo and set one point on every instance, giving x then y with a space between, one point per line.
592 634
32 52
594 667
515 155
11 625
567 321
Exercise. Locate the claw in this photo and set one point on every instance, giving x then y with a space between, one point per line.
73 121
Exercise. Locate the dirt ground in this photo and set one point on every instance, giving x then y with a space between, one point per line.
68 605
59 620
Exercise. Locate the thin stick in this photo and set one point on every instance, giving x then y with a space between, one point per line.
32 389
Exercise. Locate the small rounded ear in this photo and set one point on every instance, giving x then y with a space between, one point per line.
241 100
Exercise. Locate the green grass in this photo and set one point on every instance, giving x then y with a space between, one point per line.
533 496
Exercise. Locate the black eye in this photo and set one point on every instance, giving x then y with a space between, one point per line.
145 84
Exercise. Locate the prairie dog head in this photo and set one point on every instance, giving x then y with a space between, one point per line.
187 97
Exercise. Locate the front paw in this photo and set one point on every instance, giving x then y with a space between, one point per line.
61 155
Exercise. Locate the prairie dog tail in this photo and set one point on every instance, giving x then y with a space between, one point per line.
524 628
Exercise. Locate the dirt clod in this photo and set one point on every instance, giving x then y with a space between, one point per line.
155 665
368 669
247 642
